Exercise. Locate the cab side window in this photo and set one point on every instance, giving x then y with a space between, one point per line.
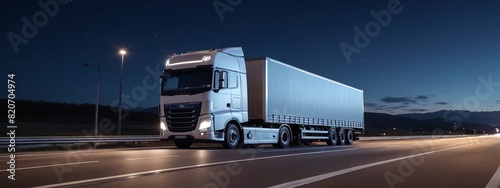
233 80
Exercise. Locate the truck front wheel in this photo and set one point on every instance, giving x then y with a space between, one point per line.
231 137
283 138
183 144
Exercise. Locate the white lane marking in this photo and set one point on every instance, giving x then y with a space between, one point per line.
144 158
495 180
40 154
184 168
84 152
313 179
45 166
297 149
392 146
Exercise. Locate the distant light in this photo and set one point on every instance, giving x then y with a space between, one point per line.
498 130
123 52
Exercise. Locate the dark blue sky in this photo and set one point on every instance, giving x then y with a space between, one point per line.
432 55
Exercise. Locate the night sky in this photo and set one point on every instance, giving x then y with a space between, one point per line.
430 55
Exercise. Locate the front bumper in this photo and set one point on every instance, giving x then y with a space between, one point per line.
192 135
207 134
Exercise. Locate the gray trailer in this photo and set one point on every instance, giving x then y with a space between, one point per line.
313 106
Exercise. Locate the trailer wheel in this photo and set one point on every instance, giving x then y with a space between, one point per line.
181 144
341 137
231 137
349 137
332 137
284 138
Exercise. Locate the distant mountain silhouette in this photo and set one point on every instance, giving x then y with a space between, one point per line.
378 124
486 118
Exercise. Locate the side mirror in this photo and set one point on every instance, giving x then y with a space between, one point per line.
216 81
220 80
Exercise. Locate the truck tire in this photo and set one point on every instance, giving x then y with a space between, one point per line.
284 138
349 137
181 144
341 137
232 137
332 137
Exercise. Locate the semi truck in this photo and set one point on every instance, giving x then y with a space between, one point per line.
219 96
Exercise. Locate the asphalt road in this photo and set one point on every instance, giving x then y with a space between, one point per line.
450 162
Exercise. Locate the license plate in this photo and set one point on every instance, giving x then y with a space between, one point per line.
180 137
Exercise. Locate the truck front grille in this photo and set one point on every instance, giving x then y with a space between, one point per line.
182 117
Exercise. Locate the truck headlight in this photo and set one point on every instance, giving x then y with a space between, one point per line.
162 126
205 123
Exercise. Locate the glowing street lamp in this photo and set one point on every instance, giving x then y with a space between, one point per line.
122 52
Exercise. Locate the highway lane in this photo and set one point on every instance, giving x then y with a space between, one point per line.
451 162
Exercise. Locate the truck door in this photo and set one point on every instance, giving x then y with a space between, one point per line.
222 99
234 87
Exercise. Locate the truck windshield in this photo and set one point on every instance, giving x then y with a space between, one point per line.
186 82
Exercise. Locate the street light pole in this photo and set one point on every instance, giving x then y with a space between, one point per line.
97 96
122 52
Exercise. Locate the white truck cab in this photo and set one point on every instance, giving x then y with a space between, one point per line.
201 93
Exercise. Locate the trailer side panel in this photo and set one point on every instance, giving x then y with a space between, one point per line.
284 94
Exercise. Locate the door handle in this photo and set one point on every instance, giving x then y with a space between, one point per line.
228 105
